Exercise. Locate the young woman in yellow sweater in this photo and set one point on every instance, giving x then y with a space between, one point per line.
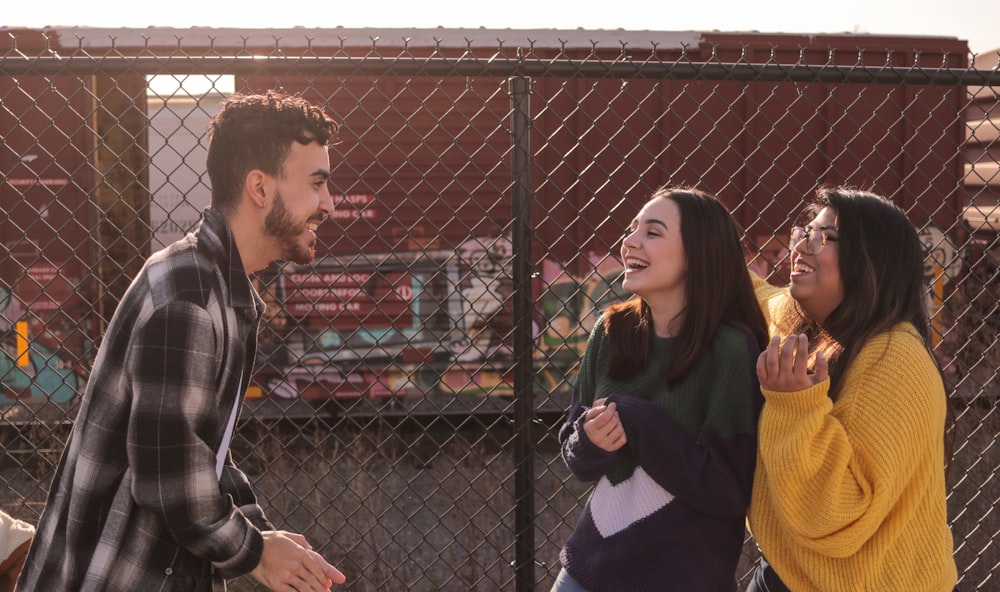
849 492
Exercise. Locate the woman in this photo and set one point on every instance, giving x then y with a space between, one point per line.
849 492
665 408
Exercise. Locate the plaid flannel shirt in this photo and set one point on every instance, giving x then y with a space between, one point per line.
136 504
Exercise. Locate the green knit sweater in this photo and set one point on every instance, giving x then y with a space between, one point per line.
668 510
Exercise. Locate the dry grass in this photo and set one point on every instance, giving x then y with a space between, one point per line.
422 511
433 509
430 512
975 494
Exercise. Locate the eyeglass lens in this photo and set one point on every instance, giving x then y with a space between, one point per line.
813 238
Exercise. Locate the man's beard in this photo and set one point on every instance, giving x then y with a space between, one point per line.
280 225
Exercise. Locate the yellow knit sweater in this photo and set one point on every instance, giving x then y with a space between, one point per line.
850 495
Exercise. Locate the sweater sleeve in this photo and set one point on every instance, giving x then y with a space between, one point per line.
585 460
836 471
714 471
770 297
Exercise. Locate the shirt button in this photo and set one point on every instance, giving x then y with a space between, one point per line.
170 571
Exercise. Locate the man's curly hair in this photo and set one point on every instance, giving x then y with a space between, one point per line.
254 131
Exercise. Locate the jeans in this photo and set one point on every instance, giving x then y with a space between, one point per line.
565 583
765 580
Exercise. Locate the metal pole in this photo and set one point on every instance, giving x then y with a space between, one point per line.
524 399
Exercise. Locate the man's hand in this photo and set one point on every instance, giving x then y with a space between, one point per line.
288 564
603 426
784 367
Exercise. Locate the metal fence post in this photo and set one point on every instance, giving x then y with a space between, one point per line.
524 400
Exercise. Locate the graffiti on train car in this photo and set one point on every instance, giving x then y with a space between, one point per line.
388 325
36 357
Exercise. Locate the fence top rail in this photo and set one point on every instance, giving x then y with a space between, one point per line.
560 53
453 37
519 66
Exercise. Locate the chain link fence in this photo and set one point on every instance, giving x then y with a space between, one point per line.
409 384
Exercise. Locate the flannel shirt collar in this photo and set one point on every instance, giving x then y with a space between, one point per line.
241 292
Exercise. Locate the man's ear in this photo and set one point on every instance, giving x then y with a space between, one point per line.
257 187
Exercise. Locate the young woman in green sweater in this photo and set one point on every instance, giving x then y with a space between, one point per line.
849 493
665 408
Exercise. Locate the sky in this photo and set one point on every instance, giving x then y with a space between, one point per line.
971 20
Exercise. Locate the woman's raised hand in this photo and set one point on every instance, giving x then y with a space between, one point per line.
784 367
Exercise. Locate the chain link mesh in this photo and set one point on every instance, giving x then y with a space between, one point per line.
404 406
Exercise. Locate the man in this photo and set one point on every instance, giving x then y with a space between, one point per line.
146 496
15 538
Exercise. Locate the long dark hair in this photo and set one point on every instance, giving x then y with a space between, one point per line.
718 290
881 264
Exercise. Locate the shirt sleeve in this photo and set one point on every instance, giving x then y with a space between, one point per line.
173 429
235 484
836 472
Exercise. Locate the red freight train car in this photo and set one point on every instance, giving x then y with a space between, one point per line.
46 254
411 293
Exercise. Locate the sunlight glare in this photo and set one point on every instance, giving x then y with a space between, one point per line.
189 86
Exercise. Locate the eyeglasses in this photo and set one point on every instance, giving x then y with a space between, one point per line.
815 238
